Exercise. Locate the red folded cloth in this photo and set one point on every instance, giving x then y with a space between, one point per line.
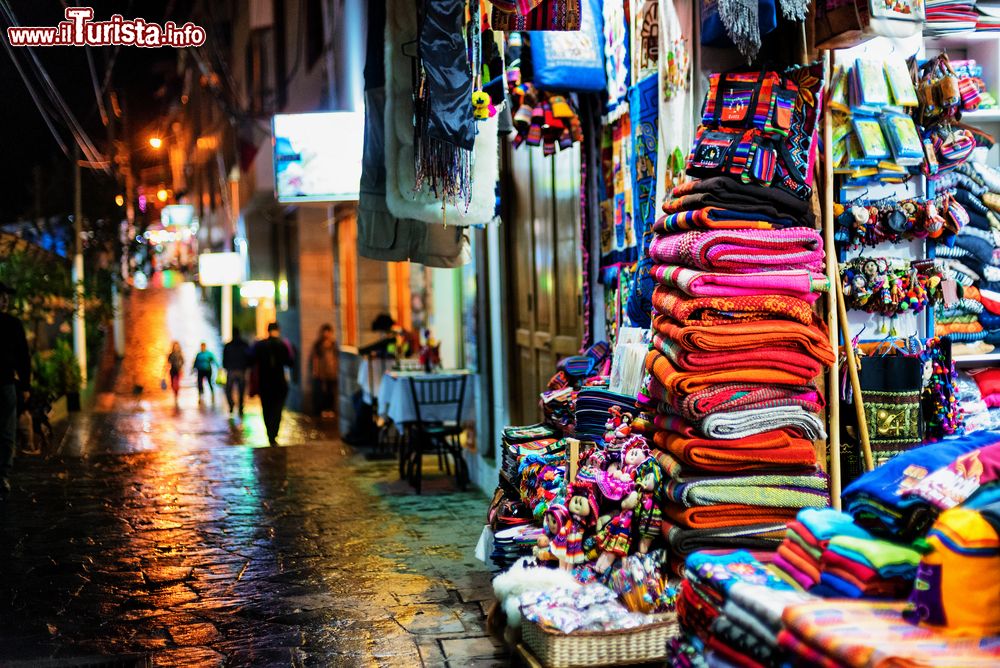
722 310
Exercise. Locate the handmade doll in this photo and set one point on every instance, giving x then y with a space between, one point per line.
583 515
552 545
634 453
615 538
649 477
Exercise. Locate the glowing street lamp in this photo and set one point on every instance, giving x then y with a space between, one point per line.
162 195
155 142
119 200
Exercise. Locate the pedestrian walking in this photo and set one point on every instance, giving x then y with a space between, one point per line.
175 367
270 357
236 361
323 369
204 363
15 380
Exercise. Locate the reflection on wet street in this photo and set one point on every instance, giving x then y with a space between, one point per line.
177 536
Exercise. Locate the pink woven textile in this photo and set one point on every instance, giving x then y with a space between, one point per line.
796 283
741 251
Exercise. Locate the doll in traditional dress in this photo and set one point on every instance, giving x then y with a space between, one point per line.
615 538
649 477
552 545
634 453
583 515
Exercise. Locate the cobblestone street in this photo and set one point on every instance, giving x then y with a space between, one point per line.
174 534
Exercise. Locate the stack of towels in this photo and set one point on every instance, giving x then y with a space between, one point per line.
947 17
736 353
826 554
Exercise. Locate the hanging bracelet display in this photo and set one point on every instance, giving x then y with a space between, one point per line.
890 286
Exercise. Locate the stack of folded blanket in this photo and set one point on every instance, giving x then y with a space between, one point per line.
881 501
971 317
839 633
731 606
826 554
736 353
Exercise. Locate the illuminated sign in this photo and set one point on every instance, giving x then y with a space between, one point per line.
179 215
256 290
317 156
220 268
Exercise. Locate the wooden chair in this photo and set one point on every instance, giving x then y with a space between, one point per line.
442 437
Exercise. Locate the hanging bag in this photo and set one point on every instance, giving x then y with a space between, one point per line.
547 15
571 61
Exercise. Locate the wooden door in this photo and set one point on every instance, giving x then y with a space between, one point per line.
543 227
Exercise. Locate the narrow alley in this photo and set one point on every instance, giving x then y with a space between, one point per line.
176 537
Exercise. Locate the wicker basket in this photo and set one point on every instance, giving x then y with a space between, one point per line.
600 648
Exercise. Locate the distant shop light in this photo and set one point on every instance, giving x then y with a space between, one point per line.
257 290
155 142
317 156
162 194
119 200
220 269
178 215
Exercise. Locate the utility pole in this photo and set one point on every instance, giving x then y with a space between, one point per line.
79 324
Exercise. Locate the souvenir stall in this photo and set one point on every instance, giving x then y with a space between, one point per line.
783 451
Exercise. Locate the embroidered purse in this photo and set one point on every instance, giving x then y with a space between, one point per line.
547 15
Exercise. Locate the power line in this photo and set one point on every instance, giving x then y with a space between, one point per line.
79 134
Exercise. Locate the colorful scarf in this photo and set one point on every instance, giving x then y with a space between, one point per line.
742 251
721 310
802 284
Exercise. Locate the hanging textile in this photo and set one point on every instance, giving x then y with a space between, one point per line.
645 46
676 111
616 51
644 110
618 241
403 198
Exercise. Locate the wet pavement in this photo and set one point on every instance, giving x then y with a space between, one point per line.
178 536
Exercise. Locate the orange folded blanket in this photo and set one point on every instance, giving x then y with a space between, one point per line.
725 515
738 337
676 381
767 451
780 359
727 310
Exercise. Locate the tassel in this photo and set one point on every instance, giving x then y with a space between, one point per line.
794 10
740 17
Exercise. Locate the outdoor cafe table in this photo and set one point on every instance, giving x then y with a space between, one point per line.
395 400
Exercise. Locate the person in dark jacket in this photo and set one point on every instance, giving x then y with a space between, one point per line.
236 360
271 356
15 380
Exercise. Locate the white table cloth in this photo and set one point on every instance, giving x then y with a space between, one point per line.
370 383
395 399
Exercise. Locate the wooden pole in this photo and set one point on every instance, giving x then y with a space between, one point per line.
852 369
833 379
574 458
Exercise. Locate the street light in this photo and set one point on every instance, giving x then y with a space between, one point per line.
119 200
155 142
162 195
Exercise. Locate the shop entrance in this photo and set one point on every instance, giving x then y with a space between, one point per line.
545 268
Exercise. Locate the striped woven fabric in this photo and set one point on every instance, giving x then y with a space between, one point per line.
738 338
720 310
801 283
685 382
738 396
773 490
742 251
779 358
